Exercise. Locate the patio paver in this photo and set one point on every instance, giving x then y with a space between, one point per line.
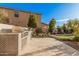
49 47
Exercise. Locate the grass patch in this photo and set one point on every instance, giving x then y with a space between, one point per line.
64 37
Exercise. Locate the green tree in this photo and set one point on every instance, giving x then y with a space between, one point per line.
52 25
64 28
32 22
3 18
73 24
76 34
59 29
69 24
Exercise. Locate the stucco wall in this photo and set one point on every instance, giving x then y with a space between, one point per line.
23 18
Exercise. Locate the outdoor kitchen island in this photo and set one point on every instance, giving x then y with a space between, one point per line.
13 39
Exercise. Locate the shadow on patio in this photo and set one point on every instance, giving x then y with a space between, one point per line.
43 50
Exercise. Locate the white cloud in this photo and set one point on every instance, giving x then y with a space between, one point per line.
63 20
60 22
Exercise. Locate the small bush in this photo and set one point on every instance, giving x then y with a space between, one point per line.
76 38
38 30
39 33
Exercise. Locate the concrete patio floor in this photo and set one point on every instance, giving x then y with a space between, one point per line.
48 47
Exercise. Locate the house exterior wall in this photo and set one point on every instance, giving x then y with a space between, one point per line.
44 27
23 18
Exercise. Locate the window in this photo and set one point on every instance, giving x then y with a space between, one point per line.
16 14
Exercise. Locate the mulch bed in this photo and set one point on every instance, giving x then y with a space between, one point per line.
73 44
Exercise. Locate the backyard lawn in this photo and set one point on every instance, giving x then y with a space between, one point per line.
64 37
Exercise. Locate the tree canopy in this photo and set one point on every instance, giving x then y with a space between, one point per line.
3 18
52 25
32 22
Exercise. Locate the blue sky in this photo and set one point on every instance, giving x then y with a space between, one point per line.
60 11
